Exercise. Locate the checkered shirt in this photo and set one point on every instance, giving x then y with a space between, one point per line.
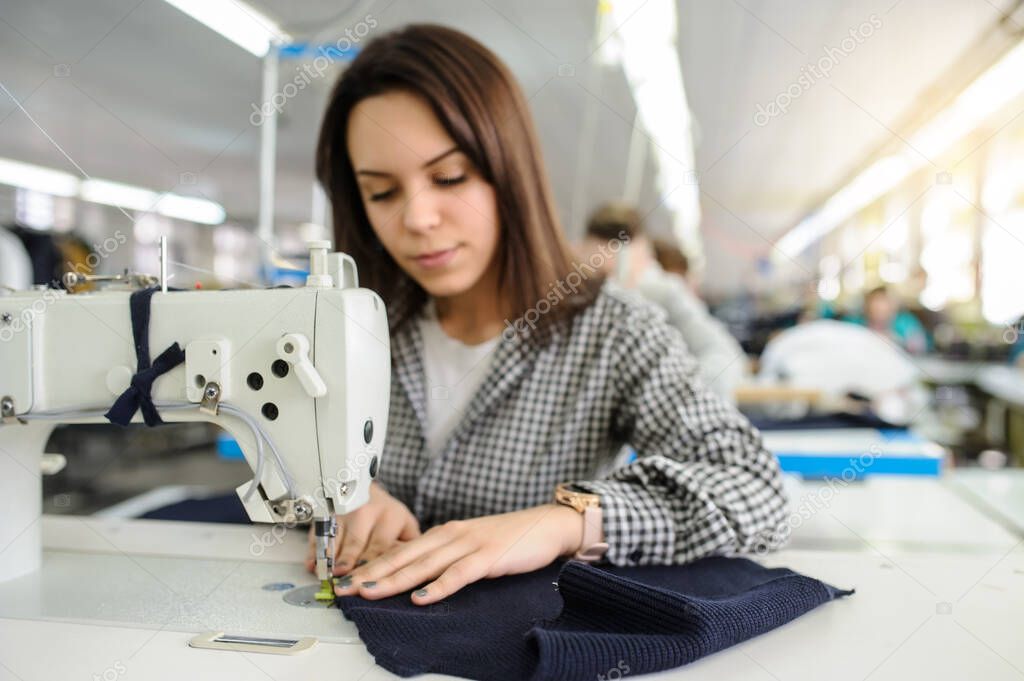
616 374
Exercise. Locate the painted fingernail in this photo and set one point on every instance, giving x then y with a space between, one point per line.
344 582
341 563
361 562
420 593
368 585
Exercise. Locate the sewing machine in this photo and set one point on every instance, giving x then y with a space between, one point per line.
300 377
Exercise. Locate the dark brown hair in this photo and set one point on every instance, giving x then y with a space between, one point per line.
877 291
479 103
670 257
614 219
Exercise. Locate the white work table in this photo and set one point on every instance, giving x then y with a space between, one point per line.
1003 382
997 379
892 513
998 494
942 371
940 592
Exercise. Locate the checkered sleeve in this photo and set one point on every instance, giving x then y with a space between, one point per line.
703 482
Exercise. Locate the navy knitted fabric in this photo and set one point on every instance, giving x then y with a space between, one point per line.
222 508
597 622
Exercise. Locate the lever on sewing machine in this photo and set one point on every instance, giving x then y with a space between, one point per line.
294 349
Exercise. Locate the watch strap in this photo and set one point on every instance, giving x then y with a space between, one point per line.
593 546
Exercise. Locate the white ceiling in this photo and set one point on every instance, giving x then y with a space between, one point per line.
138 92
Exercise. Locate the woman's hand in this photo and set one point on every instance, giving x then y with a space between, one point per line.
460 552
368 531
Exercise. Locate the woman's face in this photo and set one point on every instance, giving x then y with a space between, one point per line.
425 200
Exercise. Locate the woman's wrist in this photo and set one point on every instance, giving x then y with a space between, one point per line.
569 524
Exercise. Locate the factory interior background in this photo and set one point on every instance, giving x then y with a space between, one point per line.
813 170
800 154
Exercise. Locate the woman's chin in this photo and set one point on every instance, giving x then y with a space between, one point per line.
445 286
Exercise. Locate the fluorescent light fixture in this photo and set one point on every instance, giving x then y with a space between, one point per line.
117 194
870 184
136 198
192 209
644 42
992 90
57 183
989 93
238 22
37 178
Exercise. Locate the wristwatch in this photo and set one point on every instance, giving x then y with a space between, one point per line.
593 546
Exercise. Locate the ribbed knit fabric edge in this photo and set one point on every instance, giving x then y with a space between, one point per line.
690 627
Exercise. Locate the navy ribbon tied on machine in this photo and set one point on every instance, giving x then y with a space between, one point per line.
138 395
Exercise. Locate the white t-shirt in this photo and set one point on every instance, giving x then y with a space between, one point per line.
453 371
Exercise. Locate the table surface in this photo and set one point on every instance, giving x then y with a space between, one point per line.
1004 382
940 591
891 513
942 371
998 494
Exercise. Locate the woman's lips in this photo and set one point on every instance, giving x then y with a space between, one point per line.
437 258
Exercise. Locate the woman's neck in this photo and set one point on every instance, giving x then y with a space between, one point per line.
474 316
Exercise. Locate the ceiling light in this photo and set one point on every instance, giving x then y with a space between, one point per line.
40 179
236 21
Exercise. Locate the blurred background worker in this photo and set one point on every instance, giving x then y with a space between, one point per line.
1017 334
723 365
671 258
883 314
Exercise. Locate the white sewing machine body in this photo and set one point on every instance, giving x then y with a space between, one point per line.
246 363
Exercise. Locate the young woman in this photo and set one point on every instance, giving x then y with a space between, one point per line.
515 370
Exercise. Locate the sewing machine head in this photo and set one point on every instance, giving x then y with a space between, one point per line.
300 377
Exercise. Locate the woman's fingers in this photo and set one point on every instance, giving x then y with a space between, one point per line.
468 569
388 533
367 533
410 529
429 566
398 557
358 527
382 538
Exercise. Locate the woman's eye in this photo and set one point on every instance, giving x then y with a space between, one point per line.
449 180
382 196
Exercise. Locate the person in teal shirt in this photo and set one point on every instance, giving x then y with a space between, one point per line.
1017 351
883 315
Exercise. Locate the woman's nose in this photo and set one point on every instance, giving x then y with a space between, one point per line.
421 212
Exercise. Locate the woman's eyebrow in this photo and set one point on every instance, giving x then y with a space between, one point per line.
381 173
